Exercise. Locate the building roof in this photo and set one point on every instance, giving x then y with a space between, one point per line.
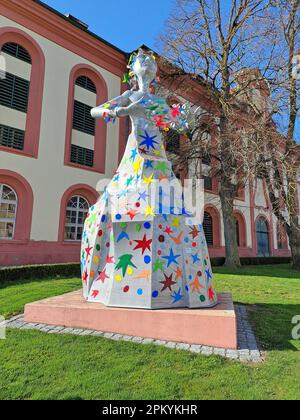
78 25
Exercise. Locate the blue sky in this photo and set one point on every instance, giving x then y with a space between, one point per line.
126 24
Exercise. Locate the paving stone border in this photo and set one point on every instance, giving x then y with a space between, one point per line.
248 348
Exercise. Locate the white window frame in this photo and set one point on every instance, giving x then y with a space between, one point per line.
77 210
12 202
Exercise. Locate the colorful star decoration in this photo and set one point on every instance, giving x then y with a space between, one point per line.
145 251
168 283
144 245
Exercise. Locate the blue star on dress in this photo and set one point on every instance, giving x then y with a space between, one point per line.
143 196
177 296
172 258
208 275
134 154
195 258
149 141
149 164
123 194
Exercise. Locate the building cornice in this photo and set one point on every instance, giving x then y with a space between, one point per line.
56 28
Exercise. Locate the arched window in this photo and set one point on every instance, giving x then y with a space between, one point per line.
85 137
21 92
8 212
76 212
208 229
262 237
14 95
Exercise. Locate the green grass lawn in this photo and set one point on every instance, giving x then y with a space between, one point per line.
34 365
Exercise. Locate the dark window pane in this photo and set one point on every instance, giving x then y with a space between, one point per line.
206 159
208 183
173 142
208 229
11 137
238 233
14 92
82 119
17 51
82 156
86 83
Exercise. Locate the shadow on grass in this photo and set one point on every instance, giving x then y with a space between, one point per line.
273 326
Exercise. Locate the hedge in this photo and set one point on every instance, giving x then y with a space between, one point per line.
218 262
39 272
73 270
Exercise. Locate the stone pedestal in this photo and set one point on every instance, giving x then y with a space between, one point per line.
215 327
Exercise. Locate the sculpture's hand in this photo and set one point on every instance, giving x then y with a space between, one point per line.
121 111
107 110
100 112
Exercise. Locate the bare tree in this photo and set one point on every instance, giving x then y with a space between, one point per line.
278 157
213 41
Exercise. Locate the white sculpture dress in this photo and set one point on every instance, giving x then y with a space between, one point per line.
139 249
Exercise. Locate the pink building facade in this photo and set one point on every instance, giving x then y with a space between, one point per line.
52 154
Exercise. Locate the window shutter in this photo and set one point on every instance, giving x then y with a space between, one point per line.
82 119
14 92
11 137
86 83
17 51
82 156
208 229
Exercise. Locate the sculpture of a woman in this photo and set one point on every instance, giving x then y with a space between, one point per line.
139 253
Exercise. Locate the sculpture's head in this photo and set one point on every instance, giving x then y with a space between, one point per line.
144 66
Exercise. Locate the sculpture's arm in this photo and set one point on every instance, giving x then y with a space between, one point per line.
128 110
108 109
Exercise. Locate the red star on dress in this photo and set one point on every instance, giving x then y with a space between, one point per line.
85 276
194 232
175 111
95 293
168 230
132 213
143 245
168 283
110 260
102 276
143 151
211 294
88 251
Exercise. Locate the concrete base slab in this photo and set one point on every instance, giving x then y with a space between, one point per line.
215 327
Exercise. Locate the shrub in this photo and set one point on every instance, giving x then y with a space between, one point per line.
39 272
218 262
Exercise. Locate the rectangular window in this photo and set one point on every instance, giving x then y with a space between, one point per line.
208 185
208 229
82 119
173 142
206 159
82 156
14 92
11 137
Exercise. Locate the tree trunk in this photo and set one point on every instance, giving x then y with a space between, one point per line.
227 197
231 245
294 237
